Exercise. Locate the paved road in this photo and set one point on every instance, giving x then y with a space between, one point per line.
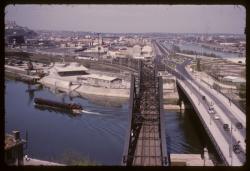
219 123
232 112
222 138
226 114
225 108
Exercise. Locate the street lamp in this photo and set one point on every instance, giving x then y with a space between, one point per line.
231 143
226 127
210 119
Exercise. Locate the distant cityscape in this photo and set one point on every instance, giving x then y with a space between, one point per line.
115 44
109 97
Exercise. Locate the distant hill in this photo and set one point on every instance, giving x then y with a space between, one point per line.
11 29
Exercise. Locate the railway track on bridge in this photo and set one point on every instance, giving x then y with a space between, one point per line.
146 141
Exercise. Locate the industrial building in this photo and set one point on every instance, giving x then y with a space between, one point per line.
102 81
70 69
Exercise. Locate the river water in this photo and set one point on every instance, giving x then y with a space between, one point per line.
199 49
98 137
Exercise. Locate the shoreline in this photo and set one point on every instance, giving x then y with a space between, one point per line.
83 90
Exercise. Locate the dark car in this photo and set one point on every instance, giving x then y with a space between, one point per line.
239 125
226 127
203 98
19 62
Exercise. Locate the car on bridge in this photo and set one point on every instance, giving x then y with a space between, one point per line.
203 97
211 111
216 117
239 125
226 127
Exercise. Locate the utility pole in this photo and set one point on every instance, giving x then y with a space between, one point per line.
231 144
98 46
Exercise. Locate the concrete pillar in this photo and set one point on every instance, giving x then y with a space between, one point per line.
182 106
206 156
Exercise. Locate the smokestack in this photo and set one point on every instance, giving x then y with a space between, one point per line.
16 135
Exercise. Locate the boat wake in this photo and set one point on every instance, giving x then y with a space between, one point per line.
93 113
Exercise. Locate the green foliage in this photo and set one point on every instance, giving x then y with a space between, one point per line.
194 67
176 48
191 52
198 65
242 91
216 87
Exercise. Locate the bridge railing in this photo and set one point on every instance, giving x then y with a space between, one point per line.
136 119
165 154
204 124
134 122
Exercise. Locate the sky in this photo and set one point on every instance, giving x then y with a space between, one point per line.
131 18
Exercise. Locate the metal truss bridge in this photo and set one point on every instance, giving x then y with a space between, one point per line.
146 142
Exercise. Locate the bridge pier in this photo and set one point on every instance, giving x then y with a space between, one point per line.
182 106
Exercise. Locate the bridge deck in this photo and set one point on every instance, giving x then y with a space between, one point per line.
219 137
146 144
148 149
224 141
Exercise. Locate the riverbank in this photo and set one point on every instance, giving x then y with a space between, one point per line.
82 90
64 83
37 162
20 74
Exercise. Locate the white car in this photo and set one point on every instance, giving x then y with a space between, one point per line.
211 111
216 117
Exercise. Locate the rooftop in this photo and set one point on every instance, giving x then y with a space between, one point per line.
70 67
101 77
234 79
98 76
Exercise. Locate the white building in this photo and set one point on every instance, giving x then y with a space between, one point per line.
147 50
234 79
71 69
101 81
97 49
137 50
111 54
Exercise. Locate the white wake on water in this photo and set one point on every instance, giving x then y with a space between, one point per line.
89 112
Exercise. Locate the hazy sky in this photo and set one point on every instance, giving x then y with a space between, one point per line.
131 18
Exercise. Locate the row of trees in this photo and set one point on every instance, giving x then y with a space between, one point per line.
177 49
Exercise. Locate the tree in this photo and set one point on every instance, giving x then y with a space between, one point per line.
242 91
198 64
176 48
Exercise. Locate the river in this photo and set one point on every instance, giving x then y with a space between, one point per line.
98 137
199 49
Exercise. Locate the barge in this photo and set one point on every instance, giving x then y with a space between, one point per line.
75 108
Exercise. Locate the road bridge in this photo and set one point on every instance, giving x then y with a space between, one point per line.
230 143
